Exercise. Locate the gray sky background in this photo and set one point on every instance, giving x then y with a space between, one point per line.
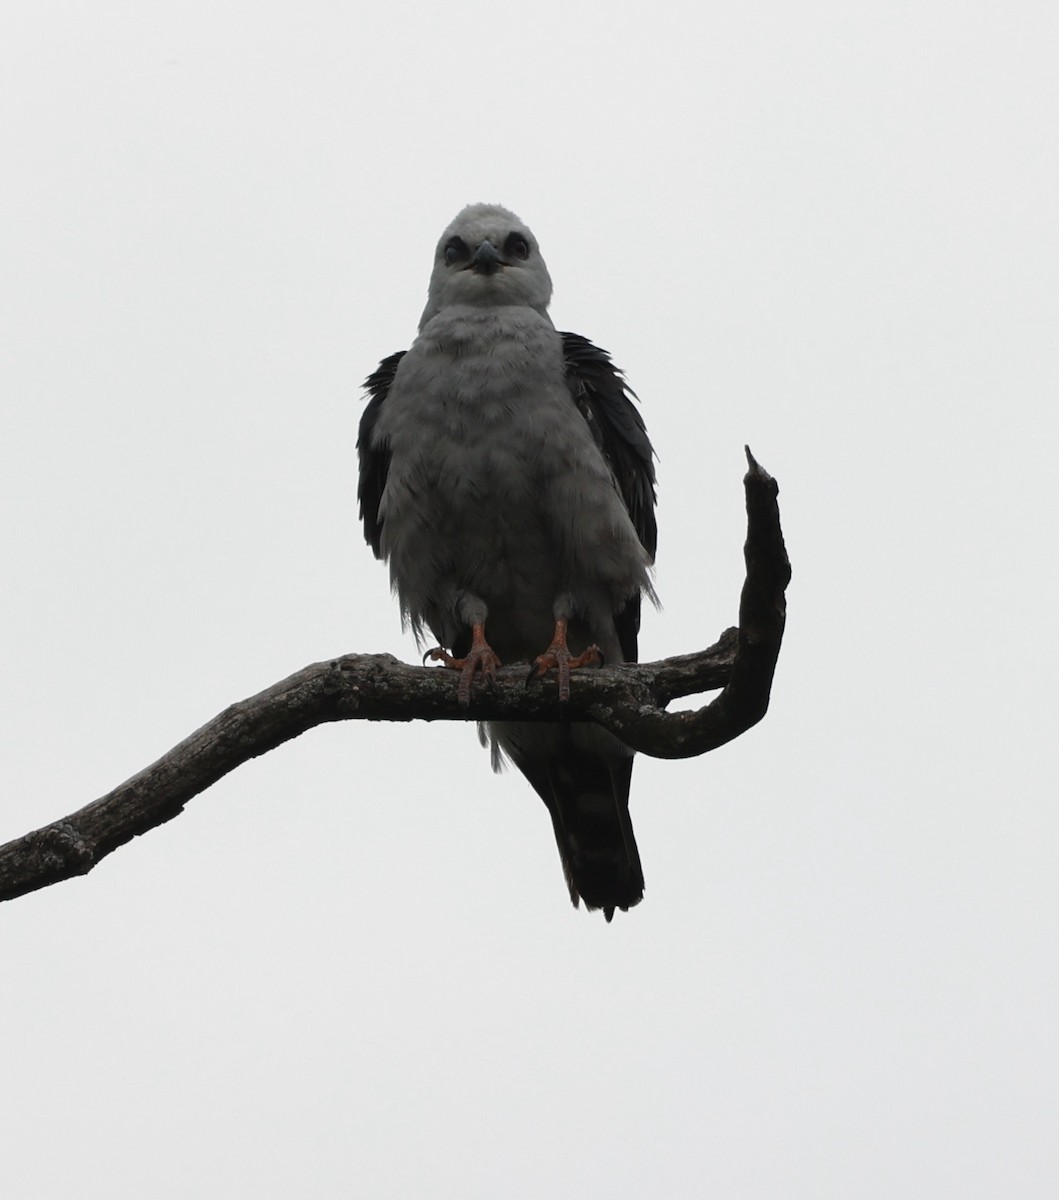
351 968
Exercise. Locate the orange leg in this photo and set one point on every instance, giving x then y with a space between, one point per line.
480 658
558 658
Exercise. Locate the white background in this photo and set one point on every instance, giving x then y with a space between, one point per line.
351 968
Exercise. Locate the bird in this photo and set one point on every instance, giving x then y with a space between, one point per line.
506 476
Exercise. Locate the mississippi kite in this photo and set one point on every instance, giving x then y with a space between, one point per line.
507 477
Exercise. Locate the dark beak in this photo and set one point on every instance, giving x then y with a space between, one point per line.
486 261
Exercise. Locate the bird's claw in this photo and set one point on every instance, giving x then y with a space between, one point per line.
481 659
558 658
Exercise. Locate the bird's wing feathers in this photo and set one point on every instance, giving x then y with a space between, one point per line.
374 460
605 402
604 399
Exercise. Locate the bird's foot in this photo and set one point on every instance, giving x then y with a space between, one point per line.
558 658
480 659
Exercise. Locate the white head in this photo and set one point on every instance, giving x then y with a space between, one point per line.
487 257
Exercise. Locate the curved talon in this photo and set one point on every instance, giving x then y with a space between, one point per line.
441 655
480 658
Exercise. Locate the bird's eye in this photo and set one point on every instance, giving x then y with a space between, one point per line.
516 246
456 251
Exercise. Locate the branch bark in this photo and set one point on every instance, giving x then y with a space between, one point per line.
630 700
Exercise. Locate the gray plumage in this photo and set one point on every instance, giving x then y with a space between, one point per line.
507 478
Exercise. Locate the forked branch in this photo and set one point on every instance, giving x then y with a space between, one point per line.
630 700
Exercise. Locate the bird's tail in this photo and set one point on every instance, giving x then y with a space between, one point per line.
582 773
589 807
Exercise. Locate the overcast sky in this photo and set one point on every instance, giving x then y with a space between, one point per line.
351 968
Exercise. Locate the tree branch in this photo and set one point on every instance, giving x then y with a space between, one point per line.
630 700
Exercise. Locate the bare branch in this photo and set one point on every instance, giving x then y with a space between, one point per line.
630 700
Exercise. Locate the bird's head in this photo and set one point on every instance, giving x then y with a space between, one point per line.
487 257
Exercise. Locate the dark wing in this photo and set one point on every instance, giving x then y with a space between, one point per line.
374 460
606 404
601 394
